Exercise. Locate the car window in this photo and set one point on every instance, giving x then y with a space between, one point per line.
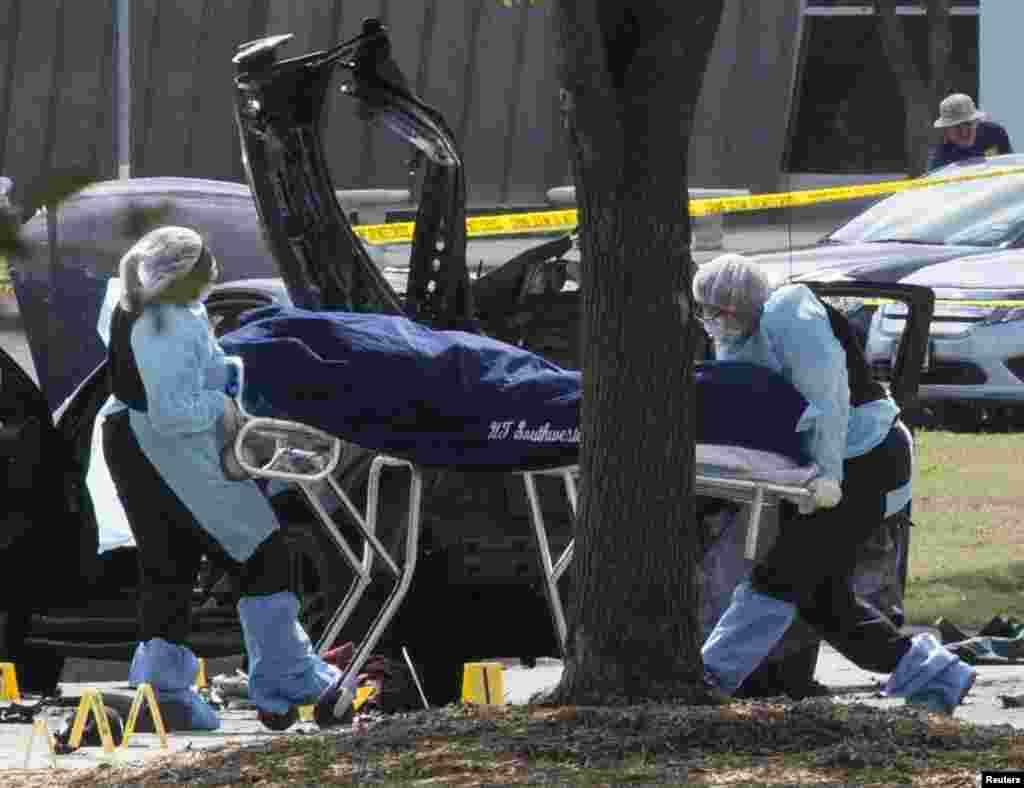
987 212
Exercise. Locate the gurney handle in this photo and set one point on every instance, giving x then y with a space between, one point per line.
282 432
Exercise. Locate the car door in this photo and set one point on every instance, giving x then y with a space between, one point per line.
39 528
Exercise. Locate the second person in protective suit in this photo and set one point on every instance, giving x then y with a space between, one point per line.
864 454
163 441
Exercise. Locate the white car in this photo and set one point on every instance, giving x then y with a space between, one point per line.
974 368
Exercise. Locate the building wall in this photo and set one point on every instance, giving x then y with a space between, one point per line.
743 112
999 63
490 69
55 84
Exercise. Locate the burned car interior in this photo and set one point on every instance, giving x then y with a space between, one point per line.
473 537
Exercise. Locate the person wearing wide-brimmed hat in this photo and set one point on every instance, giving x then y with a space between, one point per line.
966 133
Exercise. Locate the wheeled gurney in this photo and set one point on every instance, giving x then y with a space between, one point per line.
303 454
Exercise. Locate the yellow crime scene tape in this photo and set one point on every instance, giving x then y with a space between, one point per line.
563 220
476 226
555 221
958 301
760 202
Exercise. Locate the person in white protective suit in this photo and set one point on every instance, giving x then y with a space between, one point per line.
864 454
163 442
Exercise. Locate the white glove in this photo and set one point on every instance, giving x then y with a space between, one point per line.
825 494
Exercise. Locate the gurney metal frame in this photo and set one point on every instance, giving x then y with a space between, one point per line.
278 107
308 457
756 494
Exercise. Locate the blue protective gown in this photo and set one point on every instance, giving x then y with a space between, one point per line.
794 337
183 370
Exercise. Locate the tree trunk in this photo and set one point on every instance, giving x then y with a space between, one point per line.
921 91
631 75
919 134
940 45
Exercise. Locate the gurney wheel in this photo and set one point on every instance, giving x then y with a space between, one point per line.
278 722
323 712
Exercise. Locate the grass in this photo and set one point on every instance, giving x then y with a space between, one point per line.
967 549
5 278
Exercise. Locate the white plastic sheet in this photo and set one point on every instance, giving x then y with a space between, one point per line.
110 517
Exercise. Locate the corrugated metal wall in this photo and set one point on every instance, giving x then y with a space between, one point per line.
490 69
55 87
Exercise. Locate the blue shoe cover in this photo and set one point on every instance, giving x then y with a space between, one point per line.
138 666
171 669
284 671
744 635
197 713
930 676
946 691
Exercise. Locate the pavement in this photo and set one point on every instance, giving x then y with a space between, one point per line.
851 684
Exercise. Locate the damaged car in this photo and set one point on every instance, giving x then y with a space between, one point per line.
284 239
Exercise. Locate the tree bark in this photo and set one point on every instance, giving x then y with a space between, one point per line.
921 90
631 75
940 46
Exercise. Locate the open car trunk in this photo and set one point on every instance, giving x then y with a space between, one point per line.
279 106
477 593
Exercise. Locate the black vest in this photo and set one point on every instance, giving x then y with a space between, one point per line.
863 387
125 380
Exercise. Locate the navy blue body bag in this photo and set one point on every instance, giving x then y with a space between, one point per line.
466 401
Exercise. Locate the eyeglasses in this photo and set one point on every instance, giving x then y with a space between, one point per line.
710 312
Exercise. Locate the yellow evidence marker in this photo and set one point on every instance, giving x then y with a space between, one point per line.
363 694
9 679
91 701
144 692
483 683
41 728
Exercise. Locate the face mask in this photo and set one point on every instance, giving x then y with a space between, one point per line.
719 330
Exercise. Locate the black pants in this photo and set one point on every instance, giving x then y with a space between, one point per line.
171 543
813 559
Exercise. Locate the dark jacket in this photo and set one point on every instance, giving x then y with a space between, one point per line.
991 140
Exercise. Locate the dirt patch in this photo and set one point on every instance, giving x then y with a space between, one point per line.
806 743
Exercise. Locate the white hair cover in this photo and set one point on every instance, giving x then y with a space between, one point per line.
157 260
734 282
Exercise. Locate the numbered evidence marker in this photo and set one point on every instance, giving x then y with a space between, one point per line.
363 694
144 692
91 702
483 683
41 728
9 682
